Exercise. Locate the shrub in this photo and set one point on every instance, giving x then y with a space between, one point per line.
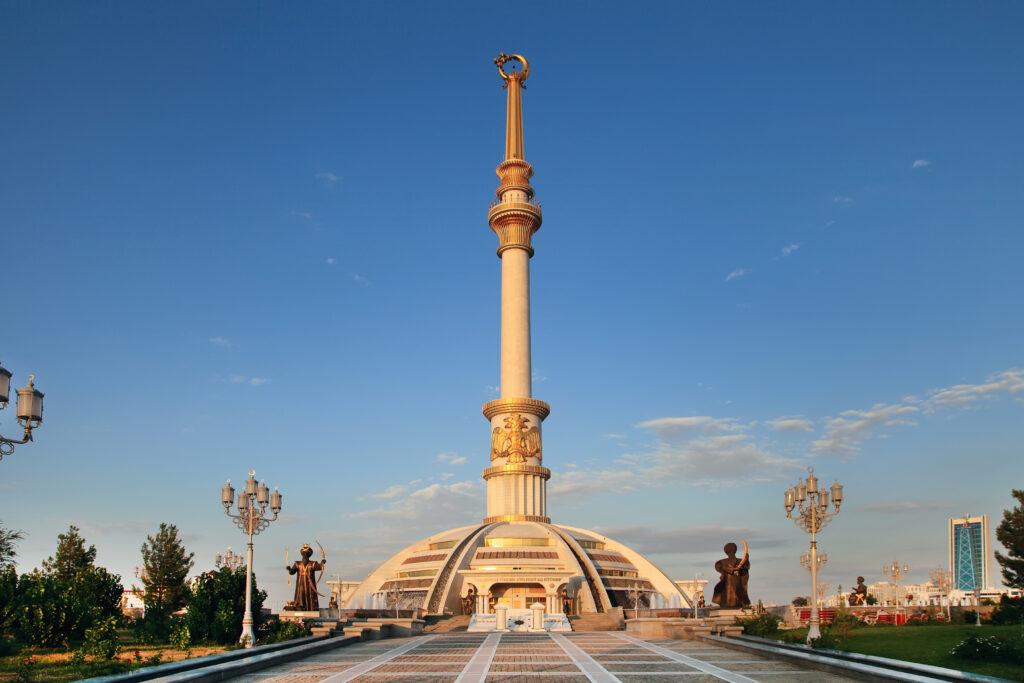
990 649
216 606
1009 611
181 637
277 631
101 639
764 624
844 622
829 640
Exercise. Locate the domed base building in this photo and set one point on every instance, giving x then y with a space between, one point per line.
516 563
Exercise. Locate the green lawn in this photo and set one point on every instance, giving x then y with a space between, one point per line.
927 645
55 666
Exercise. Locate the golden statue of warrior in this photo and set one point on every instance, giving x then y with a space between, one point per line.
306 599
516 441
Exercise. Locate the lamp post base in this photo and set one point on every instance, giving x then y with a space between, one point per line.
248 638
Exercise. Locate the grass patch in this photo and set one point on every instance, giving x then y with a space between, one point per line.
55 666
925 645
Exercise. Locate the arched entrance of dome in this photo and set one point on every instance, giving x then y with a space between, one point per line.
517 595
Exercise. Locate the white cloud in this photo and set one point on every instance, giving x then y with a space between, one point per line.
251 381
391 492
222 342
331 260
359 279
705 423
698 539
451 458
920 163
843 200
437 503
844 434
726 460
794 423
329 178
790 248
903 506
736 274
303 214
1008 381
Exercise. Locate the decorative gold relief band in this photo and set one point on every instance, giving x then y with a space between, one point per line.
505 470
517 518
530 406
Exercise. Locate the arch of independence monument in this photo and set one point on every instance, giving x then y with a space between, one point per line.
516 561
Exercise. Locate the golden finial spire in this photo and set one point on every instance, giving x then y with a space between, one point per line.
515 81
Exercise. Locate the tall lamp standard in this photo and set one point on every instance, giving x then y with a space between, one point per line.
895 572
251 521
812 514
29 410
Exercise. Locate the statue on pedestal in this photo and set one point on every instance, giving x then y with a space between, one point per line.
859 595
306 599
469 601
731 589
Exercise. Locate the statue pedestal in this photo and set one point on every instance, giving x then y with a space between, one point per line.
299 616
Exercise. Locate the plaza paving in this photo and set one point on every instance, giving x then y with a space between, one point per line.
602 657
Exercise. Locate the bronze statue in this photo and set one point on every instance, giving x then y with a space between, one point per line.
469 601
305 583
859 595
731 589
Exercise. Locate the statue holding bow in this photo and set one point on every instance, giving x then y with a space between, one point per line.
731 589
306 599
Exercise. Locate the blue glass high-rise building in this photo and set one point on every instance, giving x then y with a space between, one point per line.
969 553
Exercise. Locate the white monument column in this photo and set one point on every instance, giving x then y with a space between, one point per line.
516 480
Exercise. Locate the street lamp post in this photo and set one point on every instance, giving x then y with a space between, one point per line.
229 559
29 409
812 514
251 521
821 559
698 593
896 573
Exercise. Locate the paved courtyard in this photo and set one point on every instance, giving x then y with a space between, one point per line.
602 657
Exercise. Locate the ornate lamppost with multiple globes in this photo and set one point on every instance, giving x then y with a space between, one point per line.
29 409
895 572
251 519
812 514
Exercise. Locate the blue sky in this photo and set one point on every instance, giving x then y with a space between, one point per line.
254 236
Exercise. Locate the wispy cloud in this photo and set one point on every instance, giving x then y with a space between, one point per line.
920 163
450 458
359 279
842 200
328 178
439 503
222 342
792 423
391 492
845 433
250 381
736 274
1008 381
697 539
790 248
903 506
704 423
331 260
303 214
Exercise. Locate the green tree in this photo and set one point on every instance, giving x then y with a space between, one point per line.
166 566
1010 533
217 605
71 557
8 539
799 601
55 605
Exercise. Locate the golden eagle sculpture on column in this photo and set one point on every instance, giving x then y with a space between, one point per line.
516 441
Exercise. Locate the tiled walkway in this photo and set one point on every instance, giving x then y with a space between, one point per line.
600 657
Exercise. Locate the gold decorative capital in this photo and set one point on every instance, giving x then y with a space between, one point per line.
507 470
531 406
517 518
501 60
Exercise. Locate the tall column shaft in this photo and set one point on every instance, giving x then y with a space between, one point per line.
515 324
516 481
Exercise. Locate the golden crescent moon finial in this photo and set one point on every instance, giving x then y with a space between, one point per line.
503 59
